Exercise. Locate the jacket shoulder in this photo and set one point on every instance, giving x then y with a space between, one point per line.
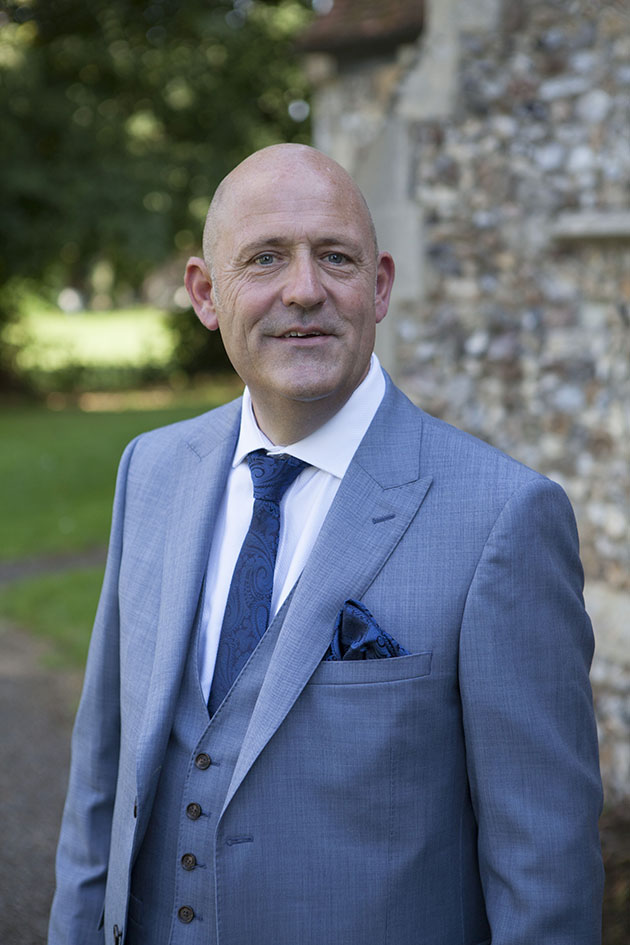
199 434
450 453
448 445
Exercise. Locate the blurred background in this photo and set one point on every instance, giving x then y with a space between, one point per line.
492 140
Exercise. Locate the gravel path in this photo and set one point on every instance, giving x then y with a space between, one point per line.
37 708
50 564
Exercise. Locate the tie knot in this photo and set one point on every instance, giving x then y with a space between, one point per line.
272 475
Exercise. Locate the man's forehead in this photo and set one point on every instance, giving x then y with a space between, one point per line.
270 188
280 188
287 208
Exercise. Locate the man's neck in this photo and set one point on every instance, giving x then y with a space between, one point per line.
296 421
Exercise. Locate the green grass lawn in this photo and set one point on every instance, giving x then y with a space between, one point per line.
57 471
50 339
57 474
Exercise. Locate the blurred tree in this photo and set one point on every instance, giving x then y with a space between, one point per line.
119 118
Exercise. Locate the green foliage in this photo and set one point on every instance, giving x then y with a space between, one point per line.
197 350
119 118
10 306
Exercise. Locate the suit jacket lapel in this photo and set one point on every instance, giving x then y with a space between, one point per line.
376 501
198 485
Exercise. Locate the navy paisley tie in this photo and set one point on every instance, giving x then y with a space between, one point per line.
249 598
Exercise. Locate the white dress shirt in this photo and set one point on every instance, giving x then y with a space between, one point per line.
303 509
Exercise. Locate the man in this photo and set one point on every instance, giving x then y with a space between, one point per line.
237 783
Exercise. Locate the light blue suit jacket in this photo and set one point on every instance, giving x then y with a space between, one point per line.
448 797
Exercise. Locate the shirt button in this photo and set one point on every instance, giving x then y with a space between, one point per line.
193 811
203 761
185 914
189 861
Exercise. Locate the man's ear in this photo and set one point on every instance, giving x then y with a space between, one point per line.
385 271
198 284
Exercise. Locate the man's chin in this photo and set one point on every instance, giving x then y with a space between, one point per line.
335 390
314 392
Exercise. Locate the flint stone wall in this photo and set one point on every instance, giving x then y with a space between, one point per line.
523 334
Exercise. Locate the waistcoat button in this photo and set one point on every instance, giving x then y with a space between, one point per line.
203 761
193 811
185 914
189 861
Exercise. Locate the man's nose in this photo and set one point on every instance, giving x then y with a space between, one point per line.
303 285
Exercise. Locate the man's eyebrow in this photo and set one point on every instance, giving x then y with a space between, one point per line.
342 241
255 246
261 243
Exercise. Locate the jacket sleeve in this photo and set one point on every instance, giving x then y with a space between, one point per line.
83 850
531 743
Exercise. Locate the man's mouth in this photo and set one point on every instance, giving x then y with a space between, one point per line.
302 334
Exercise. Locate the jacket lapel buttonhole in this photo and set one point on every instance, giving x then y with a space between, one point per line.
383 518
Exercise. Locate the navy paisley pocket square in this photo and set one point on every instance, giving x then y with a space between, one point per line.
357 636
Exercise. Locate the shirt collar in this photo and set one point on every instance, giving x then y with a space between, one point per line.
333 445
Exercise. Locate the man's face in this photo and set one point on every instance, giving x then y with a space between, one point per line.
297 289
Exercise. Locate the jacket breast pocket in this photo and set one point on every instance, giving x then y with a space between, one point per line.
362 672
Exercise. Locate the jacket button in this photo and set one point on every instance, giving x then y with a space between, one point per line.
185 914
193 811
203 761
189 861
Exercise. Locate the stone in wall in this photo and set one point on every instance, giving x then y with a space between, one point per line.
610 677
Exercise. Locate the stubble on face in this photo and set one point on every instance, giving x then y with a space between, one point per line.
286 200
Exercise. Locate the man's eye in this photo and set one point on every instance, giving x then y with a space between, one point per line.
265 259
337 258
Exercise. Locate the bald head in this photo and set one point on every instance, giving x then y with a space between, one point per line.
274 167
293 281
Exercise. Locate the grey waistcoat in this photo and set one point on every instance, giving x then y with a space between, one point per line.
173 896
